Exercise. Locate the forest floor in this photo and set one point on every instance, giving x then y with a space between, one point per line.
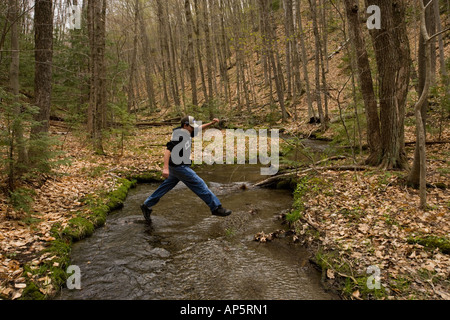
351 220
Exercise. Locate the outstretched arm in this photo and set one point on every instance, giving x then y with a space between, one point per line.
206 125
165 173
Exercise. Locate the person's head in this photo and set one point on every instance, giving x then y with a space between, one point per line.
188 123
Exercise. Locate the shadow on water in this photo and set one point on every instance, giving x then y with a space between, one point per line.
186 253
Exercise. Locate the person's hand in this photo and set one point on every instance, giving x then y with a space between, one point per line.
165 173
215 120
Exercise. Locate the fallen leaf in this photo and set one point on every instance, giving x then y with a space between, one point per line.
330 273
363 228
17 294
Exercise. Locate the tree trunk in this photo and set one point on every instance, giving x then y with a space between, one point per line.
16 137
392 55
225 55
289 45
208 49
199 50
190 51
313 6
133 61
420 130
366 84
425 75
146 57
311 112
43 18
276 65
97 105
443 67
297 84
172 62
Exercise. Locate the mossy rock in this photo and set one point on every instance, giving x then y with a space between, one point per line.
116 198
99 214
147 177
79 228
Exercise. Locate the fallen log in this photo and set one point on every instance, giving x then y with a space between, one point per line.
295 173
280 176
147 124
155 124
427 142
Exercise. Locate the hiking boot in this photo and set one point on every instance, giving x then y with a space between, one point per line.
147 212
221 212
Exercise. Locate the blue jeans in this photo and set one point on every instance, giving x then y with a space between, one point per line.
188 176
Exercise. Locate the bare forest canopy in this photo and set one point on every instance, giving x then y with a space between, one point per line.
104 65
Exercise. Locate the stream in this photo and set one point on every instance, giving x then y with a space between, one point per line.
188 254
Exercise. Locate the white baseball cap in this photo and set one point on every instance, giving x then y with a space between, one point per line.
189 120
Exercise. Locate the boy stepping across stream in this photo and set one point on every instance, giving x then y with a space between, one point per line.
177 168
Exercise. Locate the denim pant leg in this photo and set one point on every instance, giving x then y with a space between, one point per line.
197 185
165 187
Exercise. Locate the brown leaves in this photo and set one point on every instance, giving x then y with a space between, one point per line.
368 220
263 237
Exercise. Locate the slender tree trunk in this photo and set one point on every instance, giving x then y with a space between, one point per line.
425 75
146 57
208 49
272 52
199 50
289 45
264 47
190 51
420 130
163 51
311 113
225 50
133 61
443 68
172 61
324 21
313 6
324 86
293 48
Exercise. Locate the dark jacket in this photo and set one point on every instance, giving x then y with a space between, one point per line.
181 154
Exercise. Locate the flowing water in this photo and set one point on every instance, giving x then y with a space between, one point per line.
186 253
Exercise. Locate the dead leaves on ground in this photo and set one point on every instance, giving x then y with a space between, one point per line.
368 218
61 197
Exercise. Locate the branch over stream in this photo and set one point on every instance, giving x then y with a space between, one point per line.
295 173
